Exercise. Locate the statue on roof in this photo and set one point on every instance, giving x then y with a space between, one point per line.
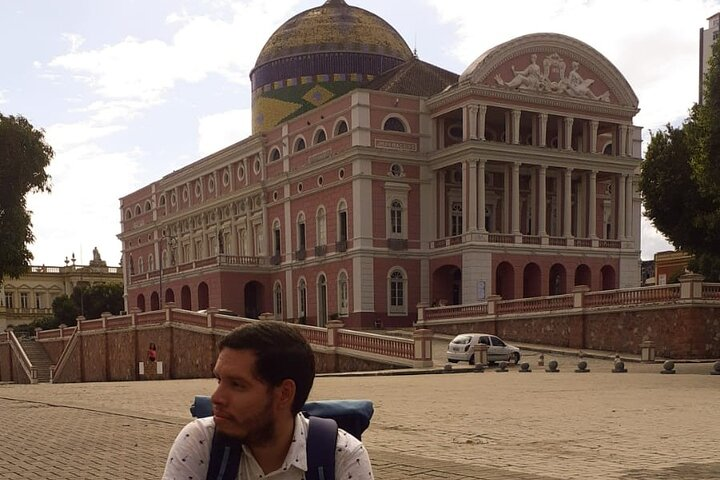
97 261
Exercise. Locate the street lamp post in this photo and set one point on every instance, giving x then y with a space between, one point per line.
80 286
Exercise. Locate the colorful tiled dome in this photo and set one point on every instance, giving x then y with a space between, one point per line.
319 54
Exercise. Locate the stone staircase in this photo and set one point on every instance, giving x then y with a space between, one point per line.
38 357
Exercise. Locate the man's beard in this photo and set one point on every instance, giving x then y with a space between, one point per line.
261 429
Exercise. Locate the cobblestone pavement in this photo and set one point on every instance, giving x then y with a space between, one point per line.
487 425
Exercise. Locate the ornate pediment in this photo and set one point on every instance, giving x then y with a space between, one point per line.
552 64
553 76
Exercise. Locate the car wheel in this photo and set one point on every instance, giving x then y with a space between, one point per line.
471 361
515 358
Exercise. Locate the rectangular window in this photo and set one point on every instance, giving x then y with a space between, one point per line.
301 236
9 300
38 301
24 300
343 226
456 219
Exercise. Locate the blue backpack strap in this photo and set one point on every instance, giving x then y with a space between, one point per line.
225 455
321 441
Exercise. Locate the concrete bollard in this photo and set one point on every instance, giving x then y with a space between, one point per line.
668 367
479 368
619 367
541 360
447 368
552 367
716 368
502 367
524 368
582 367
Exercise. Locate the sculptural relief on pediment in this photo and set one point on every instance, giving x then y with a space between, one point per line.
552 74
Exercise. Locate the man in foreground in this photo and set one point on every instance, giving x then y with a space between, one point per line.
265 371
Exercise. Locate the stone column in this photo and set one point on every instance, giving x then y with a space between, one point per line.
441 133
567 134
481 194
472 121
516 198
516 126
465 123
592 205
465 195
543 119
472 200
629 207
622 179
567 211
542 201
593 135
442 209
623 140
482 109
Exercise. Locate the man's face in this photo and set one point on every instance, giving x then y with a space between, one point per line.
243 406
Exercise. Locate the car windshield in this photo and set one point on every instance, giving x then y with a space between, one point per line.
462 339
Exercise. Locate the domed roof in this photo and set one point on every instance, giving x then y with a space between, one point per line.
334 27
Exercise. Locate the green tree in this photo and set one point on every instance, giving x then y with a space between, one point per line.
680 179
95 299
24 156
64 311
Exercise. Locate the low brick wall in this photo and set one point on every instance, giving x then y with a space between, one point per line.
681 331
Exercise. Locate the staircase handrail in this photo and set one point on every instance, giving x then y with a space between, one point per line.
27 365
62 360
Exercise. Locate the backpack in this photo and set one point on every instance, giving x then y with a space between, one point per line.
325 417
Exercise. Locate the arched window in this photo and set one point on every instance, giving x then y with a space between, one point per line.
128 214
138 210
141 265
320 136
301 232
148 206
150 263
397 292
342 127
396 217
322 300
342 227
276 238
299 144
162 200
302 301
343 294
274 155
321 226
394 124
277 304
141 302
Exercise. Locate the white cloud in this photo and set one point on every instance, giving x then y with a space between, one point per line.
82 211
2 97
222 129
74 40
63 136
145 70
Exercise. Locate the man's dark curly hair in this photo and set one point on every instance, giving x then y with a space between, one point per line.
281 353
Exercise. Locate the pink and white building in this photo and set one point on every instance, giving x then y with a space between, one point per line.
374 182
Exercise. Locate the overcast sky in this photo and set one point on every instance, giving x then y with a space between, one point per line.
128 91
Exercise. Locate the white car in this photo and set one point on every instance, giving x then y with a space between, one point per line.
462 349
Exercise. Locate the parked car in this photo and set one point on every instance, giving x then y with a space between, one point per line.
462 349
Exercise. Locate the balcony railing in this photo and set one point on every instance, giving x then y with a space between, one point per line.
320 250
300 255
341 246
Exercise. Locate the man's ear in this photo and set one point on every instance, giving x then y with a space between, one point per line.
285 393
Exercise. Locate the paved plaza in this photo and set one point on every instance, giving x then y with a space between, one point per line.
538 425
